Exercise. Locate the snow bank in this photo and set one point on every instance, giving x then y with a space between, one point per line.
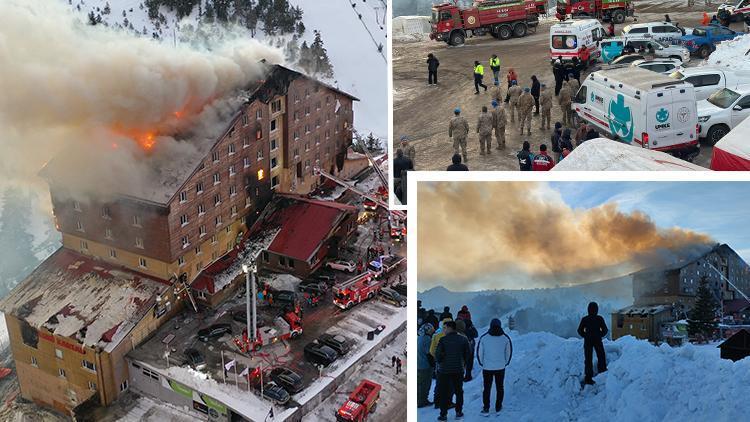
405 25
734 54
643 382
604 154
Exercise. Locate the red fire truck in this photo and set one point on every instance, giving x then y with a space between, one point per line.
355 290
285 327
361 403
500 18
604 10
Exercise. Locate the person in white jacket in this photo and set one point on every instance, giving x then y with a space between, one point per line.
494 351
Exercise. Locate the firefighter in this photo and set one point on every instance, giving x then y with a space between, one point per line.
564 100
458 129
484 129
525 106
495 67
478 75
513 93
499 121
545 102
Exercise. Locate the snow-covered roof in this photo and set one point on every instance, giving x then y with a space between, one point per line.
644 310
89 301
605 154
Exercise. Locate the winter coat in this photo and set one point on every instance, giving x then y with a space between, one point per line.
542 162
439 333
512 76
496 94
446 314
432 63
545 100
592 134
514 92
464 314
555 140
457 167
432 319
499 119
400 164
410 152
565 141
574 86
592 327
525 159
452 353
485 124
563 98
494 349
424 359
458 127
536 87
471 330
581 134
525 103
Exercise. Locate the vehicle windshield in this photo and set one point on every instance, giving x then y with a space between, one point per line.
564 42
677 75
724 98
699 32
434 16
626 29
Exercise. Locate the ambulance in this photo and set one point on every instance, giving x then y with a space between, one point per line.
641 108
576 38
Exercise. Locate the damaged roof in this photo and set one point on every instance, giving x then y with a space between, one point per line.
89 301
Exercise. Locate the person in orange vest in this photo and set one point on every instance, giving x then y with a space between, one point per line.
705 19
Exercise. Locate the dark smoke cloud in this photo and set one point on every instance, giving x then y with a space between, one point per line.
475 235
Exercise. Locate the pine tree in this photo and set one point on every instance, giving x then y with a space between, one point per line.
305 58
321 64
107 9
702 318
92 18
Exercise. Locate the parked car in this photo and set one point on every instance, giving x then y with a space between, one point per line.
401 289
369 204
702 41
288 379
195 359
216 330
336 342
312 286
342 265
709 79
284 297
612 48
663 66
721 112
319 353
665 32
329 279
391 296
624 61
275 393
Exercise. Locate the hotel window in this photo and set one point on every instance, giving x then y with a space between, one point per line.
217 220
217 200
183 196
214 255
244 120
232 170
275 181
328 133
58 353
79 226
198 250
199 187
273 125
202 230
296 152
307 164
181 261
259 114
259 134
213 239
137 221
201 294
246 162
296 134
234 210
273 144
307 110
317 140
201 209
217 178
307 146
273 163
61 372
139 242
307 92
276 106
185 242
88 365
296 98
231 148
317 105
328 117
34 363
108 233
229 246
296 115
215 156
77 206
232 190
248 201
317 123
260 154
228 229
113 253
245 142
307 128
92 386
106 213
198 266
142 262
184 220
84 245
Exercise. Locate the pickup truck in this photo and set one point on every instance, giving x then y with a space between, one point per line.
709 79
702 41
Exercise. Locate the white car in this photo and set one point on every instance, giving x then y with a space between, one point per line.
659 49
663 66
342 265
666 32
721 112
709 79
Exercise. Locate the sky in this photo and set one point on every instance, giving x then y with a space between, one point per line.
515 235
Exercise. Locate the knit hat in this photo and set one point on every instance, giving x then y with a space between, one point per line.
514 82
558 125
526 89
404 138
494 103
457 110
496 323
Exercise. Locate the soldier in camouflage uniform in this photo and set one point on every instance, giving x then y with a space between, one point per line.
514 92
525 106
458 129
545 102
499 121
485 124
564 100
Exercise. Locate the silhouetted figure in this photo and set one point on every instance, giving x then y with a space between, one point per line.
593 329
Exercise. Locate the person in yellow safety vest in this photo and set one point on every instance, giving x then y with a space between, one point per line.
495 66
478 75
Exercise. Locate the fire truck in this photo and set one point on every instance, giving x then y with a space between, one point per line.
285 327
502 19
357 289
604 10
361 403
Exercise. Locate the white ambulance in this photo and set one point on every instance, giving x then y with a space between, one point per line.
576 38
641 108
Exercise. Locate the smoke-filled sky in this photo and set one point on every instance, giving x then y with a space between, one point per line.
488 235
90 90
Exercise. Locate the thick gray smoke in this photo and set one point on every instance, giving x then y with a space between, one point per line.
115 103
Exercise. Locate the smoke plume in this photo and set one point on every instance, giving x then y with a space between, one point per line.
116 104
520 235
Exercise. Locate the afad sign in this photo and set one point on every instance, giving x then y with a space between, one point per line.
662 119
70 346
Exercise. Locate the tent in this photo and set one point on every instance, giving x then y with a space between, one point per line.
732 152
605 154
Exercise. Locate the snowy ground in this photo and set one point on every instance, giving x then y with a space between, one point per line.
148 410
643 383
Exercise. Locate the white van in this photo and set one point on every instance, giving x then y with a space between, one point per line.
640 107
576 38
710 79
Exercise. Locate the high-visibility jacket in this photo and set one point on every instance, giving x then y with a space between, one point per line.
494 61
479 69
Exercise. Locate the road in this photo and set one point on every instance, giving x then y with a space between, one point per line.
422 112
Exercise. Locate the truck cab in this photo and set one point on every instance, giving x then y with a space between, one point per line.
702 41
445 21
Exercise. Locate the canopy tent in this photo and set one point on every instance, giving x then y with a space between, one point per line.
605 154
732 152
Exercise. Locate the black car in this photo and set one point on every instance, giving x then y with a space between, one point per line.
320 354
290 380
336 342
216 330
391 296
312 286
329 279
285 297
400 288
241 317
275 393
195 359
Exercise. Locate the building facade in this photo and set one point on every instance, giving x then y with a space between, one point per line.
641 322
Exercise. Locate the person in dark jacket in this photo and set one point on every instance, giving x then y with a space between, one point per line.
593 329
525 157
451 356
446 313
542 161
667 19
431 318
471 334
457 166
555 138
494 352
714 20
464 313
432 68
557 71
611 29
575 70
425 364
536 89
565 143
401 165
591 133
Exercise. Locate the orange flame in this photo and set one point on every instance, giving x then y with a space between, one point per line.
146 141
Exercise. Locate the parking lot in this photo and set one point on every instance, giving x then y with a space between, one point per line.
423 112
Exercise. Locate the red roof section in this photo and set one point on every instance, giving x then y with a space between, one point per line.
205 281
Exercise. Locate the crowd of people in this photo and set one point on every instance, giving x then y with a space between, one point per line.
447 348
